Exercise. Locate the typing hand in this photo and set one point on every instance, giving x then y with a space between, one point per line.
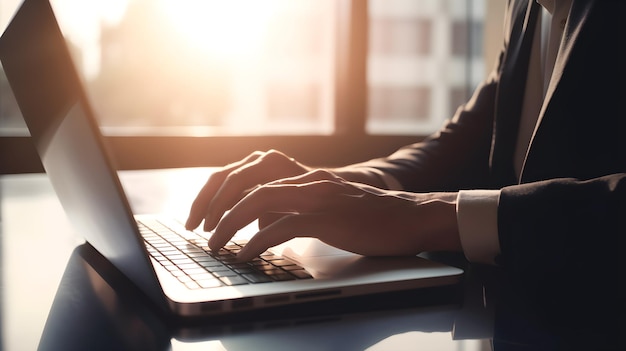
231 183
351 216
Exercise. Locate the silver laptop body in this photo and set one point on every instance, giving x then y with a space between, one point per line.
55 107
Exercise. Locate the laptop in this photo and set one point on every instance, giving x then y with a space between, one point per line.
170 265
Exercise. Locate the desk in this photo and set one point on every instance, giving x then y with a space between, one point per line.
57 293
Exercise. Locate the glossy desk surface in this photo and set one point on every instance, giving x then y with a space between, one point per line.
59 294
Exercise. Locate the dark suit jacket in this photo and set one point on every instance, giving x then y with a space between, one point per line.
569 208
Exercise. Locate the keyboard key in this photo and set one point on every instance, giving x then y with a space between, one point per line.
226 273
301 274
256 277
209 283
192 285
202 276
188 266
236 280
281 277
181 261
194 271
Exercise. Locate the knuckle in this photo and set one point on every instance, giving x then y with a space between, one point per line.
254 155
273 156
322 174
218 176
261 190
232 178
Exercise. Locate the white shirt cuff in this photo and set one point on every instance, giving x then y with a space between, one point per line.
477 217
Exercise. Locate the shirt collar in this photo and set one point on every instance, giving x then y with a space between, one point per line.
547 4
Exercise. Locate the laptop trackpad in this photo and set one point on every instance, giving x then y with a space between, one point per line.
299 248
324 261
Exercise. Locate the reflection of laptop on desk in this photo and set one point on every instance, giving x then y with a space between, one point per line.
175 273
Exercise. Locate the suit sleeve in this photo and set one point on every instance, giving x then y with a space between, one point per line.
563 225
562 243
455 157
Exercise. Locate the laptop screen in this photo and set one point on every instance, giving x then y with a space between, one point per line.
49 92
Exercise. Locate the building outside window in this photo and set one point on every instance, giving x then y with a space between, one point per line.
425 58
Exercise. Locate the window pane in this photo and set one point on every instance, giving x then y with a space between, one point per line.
425 57
202 66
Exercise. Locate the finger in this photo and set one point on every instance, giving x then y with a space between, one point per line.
326 196
267 219
279 232
202 200
234 187
201 203
268 167
309 177
277 199
352 232
333 229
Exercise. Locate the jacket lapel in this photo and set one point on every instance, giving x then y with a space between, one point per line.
576 19
512 82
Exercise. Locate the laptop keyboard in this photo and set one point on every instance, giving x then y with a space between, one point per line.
185 254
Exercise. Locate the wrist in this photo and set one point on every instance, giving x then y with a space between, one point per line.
449 236
363 175
440 215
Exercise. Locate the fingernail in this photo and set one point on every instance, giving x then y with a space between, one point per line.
188 225
214 247
192 222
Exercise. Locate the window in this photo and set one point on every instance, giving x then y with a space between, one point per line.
267 73
425 57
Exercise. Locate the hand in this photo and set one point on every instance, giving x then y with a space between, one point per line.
230 184
351 216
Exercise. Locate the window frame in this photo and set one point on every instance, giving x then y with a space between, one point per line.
349 142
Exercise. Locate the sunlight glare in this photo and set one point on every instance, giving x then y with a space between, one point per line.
221 28
81 23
